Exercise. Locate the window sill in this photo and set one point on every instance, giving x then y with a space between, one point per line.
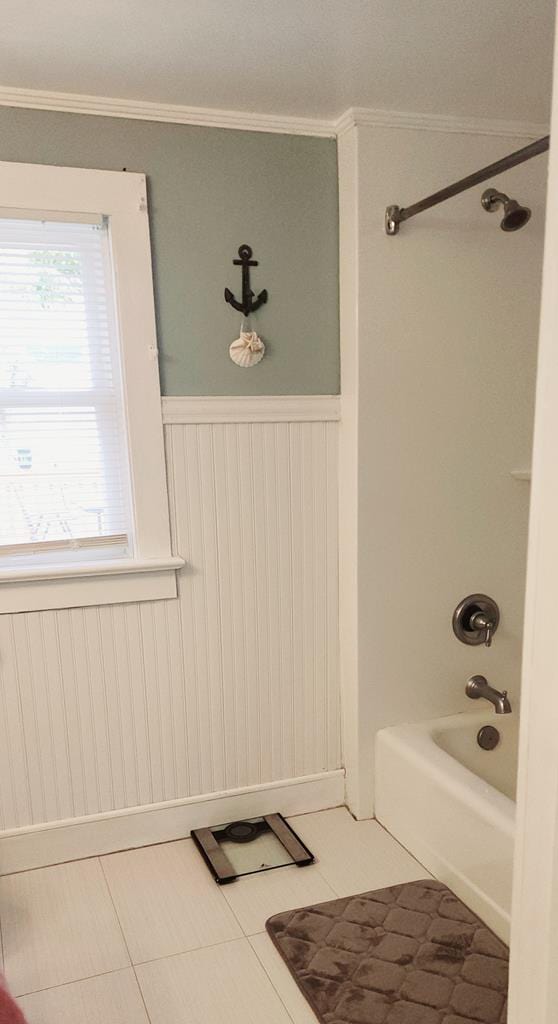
90 583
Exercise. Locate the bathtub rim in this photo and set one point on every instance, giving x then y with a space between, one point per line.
417 741
414 749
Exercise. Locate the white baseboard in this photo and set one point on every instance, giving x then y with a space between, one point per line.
55 842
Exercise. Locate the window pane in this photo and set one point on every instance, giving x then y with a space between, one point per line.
63 452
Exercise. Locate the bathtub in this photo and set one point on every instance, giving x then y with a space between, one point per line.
452 805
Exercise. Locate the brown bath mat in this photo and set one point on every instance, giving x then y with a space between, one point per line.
410 954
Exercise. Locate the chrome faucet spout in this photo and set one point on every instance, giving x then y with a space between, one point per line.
478 686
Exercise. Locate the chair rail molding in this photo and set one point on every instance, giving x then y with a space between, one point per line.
251 409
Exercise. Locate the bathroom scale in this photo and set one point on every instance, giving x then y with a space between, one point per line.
250 846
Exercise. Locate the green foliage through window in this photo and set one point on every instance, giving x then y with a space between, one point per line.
60 278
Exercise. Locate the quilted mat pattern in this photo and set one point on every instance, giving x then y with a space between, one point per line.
409 954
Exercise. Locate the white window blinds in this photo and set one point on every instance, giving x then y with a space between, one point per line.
63 449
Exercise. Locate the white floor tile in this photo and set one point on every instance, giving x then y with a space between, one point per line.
58 925
225 984
109 999
257 897
167 901
355 856
281 979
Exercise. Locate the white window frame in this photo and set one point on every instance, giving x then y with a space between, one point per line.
151 573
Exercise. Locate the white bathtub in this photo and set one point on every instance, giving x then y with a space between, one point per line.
452 805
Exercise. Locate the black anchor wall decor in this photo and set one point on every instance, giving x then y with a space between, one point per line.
249 303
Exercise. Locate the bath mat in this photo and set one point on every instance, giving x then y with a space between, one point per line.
410 954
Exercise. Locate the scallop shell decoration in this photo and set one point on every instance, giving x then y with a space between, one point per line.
247 350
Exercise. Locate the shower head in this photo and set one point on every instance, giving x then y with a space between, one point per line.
515 215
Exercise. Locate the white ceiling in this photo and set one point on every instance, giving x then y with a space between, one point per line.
313 58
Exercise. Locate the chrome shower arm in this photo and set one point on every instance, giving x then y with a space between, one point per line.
396 214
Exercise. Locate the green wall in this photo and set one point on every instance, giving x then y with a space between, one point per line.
210 190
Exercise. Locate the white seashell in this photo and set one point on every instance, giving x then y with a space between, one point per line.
247 350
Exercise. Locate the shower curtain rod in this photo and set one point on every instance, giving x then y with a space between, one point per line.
396 214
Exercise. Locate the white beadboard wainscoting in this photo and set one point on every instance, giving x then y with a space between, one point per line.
116 721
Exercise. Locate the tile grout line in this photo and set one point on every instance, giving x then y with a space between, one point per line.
75 981
358 823
196 949
239 923
249 934
180 952
326 880
268 976
132 966
72 980
121 927
186 952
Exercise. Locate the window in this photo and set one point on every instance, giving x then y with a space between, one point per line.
63 445
83 510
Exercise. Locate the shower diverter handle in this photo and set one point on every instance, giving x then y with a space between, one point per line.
483 622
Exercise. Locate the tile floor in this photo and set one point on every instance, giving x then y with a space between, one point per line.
147 937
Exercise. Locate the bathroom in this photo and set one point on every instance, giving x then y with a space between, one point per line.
318 437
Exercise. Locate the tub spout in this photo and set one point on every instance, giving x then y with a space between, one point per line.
478 686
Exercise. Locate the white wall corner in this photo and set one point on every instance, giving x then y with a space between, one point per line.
534 937
359 781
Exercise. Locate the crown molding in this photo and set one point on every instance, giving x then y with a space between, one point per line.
106 106
364 117
355 117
